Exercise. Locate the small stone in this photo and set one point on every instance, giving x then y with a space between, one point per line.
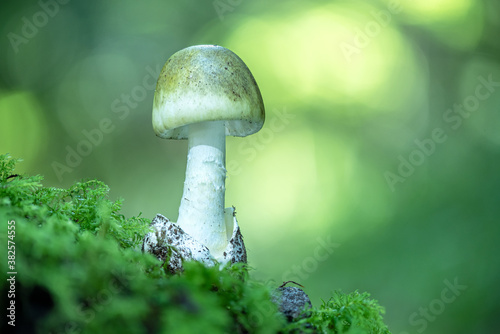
292 301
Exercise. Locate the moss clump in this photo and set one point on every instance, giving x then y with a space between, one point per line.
79 270
353 313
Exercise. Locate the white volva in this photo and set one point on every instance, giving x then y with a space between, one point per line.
201 213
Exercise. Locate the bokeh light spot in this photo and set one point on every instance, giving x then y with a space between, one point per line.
281 180
340 53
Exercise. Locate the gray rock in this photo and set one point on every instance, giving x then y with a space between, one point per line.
292 301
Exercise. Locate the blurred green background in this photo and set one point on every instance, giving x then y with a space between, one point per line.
377 168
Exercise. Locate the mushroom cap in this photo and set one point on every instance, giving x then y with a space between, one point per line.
206 83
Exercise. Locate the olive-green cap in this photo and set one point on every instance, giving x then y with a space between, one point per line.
206 83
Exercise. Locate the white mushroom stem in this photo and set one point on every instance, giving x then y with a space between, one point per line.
201 212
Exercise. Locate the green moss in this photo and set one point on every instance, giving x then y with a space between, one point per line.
79 270
353 313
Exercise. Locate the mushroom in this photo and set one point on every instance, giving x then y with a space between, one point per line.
205 93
